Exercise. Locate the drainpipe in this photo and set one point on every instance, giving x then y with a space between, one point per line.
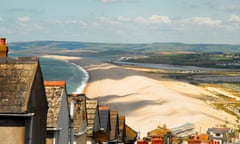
72 122
30 131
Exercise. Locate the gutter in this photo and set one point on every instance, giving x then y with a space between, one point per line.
53 129
18 114
82 132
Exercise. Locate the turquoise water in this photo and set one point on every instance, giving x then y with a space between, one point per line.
74 75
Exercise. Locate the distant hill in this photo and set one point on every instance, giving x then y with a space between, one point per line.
111 50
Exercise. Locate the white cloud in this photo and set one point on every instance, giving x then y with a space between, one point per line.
110 1
23 19
123 19
1 19
106 1
234 18
82 23
159 19
205 21
106 20
141 20
154 19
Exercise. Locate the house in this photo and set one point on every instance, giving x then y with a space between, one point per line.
184 130
198 139
80 117
23 103
131 135
161 132
126 134
103 134
93 119
218 135
122 129
58 112
114 133
3 48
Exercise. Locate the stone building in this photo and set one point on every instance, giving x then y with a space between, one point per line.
103 134
23 103
58 112
114 133
80 117
92 119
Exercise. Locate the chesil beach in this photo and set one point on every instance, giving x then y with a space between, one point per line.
147 100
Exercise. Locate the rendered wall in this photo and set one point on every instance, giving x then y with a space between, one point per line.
12 135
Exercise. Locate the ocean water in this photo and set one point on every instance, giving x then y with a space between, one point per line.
74 75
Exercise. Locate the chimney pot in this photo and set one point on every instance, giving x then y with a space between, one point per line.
3 41
3 48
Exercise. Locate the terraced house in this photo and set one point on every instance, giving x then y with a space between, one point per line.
80 118
58 112
23 103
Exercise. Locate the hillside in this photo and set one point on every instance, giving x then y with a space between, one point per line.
112 50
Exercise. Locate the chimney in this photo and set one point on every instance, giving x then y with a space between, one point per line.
2 41
3 48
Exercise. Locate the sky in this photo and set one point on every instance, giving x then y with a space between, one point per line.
121 21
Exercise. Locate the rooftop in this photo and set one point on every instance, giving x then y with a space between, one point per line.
54 92
16 80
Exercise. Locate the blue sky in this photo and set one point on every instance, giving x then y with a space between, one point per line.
121 21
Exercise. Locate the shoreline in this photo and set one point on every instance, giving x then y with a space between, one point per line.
147 102
80 89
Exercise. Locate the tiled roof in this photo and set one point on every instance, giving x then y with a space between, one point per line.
104 108
55 83
80 120
54 92
114 125
16 80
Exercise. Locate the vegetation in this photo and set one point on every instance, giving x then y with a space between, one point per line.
193 59
109 50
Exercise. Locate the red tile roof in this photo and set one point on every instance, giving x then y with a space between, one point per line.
104 108
54 83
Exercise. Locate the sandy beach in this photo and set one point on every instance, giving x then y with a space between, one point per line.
149 100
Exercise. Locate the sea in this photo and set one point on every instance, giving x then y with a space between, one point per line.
54 69
74 75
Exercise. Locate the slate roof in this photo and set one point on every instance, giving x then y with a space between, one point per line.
114 126
122 129
79 111
16 80
218 130
54 91
131 134
92 110
104 114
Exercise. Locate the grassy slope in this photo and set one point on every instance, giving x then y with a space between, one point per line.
92 49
